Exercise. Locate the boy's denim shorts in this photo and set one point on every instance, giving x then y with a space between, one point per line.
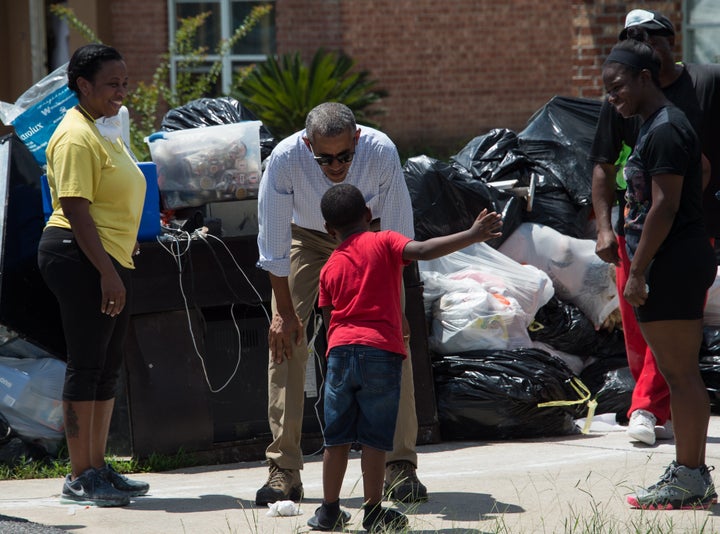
362 393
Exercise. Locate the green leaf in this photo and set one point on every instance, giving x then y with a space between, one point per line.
282 91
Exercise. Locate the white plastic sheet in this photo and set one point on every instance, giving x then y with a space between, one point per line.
578 274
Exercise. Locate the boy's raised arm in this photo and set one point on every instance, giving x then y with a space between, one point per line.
486 226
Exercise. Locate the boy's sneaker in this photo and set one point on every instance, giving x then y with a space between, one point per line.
329 518
91 489
282 485
402 484
679 488
379 519
642 427
134 488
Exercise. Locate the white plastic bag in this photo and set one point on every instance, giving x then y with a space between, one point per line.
38 111
481 299
31 396
578 274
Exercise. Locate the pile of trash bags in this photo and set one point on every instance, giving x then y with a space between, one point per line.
531 317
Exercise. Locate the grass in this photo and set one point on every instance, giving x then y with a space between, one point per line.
58 467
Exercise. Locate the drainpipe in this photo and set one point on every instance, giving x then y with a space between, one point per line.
38 47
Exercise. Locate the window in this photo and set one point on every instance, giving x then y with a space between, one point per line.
701 31
225 16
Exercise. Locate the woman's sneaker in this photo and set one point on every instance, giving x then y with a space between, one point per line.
679 488
91 489
134 488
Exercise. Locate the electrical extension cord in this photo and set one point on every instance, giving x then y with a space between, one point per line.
200 233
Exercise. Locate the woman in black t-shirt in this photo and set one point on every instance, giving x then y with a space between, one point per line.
672 263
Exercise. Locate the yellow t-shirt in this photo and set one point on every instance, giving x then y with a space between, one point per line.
82 163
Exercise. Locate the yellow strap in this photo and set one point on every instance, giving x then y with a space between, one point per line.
535 327
584 398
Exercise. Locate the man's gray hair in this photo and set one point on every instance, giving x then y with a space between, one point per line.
329 119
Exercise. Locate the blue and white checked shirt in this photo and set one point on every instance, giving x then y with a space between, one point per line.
293 184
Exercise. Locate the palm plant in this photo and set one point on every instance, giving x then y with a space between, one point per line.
281 92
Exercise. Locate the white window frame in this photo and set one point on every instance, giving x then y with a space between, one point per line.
226 31
693 23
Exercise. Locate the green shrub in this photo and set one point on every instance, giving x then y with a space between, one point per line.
281 92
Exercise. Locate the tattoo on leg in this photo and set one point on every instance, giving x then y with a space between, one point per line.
72 429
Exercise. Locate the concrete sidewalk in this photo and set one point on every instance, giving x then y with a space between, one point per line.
572 484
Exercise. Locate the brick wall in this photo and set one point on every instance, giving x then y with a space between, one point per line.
453 69
140 33
453 73
597 25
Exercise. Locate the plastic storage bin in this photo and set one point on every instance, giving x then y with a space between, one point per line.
211 164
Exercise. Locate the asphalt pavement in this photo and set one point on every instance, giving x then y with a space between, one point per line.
568 484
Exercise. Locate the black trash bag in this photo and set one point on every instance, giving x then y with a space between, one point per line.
564 327
554 207
446 199
5 430
611 384
711 341
710 372
495 394
558 137
17 451
615 395
14 450
213 112
493 157
552 152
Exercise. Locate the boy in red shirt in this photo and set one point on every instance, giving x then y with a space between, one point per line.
360 287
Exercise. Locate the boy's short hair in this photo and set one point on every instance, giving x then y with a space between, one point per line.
342 205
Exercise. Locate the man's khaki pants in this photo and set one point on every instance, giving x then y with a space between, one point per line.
310 250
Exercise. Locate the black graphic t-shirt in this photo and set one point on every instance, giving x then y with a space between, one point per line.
666 144
697 93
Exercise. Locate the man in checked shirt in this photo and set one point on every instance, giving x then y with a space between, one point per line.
293 246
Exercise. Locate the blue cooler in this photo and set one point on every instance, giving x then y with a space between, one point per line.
150 221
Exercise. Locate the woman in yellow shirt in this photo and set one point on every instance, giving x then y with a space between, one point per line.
86 256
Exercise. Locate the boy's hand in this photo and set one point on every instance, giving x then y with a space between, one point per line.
487 225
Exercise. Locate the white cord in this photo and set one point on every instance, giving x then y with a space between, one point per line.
232 257
317 323
177 256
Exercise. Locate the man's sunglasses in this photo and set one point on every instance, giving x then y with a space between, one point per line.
325 159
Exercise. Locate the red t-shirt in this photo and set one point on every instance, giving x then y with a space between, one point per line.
362 281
